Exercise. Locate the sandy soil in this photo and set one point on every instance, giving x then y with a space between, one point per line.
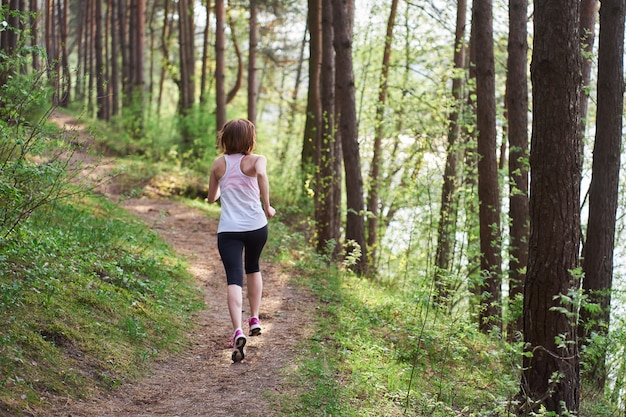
201 380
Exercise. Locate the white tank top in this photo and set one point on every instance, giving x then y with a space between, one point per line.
240 198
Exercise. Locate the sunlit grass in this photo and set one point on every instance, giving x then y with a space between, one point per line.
87 295
379 351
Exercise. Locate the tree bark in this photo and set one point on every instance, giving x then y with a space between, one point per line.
603 191
252 87
166 36
66 79
98 50
50 47
517 112
346 106
124 29
313 125
9 37
205 54
551 368
326 208
34 30
220 78
448 210
488 188
187 57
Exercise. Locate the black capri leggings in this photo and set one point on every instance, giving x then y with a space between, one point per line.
231 246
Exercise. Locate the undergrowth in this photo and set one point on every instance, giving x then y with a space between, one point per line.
87 296
378 350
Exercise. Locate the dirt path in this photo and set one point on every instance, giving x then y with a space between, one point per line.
202 381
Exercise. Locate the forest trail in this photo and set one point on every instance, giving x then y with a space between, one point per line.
201 380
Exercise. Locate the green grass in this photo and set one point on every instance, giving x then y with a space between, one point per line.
380 351
87 296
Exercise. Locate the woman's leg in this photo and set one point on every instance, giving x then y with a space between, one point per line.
253 248
230 246
255 292
235 304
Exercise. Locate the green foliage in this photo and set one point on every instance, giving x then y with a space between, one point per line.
26 183
185 141
87 296
23 95
32 167
381 351
392 355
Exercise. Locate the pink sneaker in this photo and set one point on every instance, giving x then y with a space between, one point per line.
255 326
239 341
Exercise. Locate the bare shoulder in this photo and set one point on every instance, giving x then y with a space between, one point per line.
260 163
252 164
219 166
258 158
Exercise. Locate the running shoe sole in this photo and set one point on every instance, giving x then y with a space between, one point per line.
238 354
255 327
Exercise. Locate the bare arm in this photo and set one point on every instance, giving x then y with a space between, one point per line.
214 185
264 185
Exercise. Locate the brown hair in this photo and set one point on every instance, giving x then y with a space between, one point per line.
237 136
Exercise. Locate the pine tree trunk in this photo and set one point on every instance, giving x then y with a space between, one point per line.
488 188
326 216
346 110
448 211
220 78
252 87
313 125
603 191
551 368
517 104
205 54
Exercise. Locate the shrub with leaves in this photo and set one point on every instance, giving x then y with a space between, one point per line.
30 175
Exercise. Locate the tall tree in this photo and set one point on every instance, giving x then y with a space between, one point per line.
220 66
551 368
166 41
588 17
488 188
9 37
327 151
253 39
131 14
124 29
56 42
63 48
34 17
373 198
448 211
347 123
470 201
313 125
517 112
205 54
137 45
101 81
113 6
186 85
603 191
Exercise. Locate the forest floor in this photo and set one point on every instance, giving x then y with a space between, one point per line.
201 380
